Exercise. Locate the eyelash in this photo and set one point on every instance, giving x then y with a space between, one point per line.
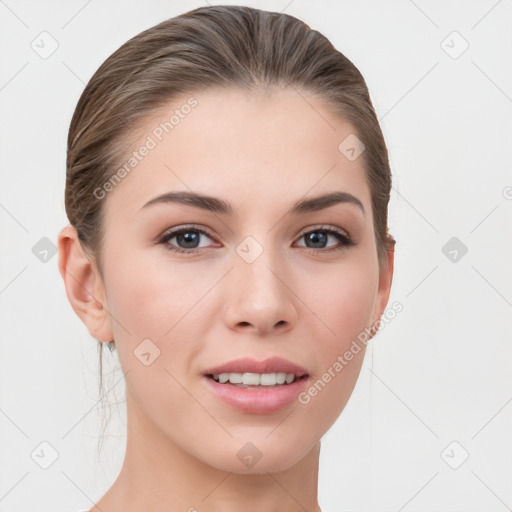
345 240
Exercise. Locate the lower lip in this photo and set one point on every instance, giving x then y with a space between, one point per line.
257 400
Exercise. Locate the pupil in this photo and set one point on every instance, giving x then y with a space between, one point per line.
189 238
316 237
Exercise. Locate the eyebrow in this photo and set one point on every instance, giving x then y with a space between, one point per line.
217 205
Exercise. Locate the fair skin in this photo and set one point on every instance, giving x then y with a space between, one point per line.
260 154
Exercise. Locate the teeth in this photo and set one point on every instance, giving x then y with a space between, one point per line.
255 379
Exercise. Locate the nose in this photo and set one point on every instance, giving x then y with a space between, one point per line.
260 296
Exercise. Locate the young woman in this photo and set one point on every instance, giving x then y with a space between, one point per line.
227 191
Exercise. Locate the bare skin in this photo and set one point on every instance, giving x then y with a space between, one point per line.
305 304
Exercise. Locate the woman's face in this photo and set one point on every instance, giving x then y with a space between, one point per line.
263 282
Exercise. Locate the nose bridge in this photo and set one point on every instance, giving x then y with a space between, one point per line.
257 264
259 294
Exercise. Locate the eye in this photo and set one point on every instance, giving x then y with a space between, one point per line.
187 238
317 239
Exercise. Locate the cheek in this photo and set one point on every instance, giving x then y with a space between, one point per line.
147 299
342 300
345 306
156 330
159 303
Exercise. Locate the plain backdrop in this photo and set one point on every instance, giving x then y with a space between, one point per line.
428 425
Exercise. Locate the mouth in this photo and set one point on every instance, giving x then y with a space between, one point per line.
257 380
257 393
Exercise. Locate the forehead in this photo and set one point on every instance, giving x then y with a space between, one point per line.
226 143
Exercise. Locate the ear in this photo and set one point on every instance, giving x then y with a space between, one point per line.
385 280
84 287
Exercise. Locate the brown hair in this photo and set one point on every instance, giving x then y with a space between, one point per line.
215 46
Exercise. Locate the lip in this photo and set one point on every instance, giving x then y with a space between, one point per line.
256 400
249 365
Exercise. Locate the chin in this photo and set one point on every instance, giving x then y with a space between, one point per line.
257 454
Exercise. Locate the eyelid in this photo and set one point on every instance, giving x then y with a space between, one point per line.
172 232
323 227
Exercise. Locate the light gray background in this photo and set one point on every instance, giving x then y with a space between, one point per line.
438 373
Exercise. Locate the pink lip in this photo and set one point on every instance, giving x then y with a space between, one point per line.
248 365
257 400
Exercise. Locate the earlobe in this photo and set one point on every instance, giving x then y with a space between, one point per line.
84 287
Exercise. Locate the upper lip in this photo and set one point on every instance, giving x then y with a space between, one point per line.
249 365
